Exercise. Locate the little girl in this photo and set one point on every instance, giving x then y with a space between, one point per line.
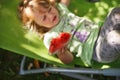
68 35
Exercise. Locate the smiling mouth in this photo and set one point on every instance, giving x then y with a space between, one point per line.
55 17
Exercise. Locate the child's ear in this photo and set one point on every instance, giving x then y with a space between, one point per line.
28 13
25 18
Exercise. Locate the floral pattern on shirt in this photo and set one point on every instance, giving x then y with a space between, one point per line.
81 35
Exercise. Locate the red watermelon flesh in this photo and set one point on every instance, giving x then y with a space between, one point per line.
59 42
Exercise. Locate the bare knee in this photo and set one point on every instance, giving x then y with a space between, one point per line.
113 37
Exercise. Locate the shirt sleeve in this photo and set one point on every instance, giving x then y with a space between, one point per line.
48 37
62 8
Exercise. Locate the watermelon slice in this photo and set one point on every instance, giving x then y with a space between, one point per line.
59 42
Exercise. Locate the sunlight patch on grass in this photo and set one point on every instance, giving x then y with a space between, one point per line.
102 5
101 11
105 66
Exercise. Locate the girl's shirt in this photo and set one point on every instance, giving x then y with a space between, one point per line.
84 34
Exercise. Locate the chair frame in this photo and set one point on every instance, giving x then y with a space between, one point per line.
71 72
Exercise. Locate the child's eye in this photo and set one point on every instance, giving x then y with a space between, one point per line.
45 4
44 17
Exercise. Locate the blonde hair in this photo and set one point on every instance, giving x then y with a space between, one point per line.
31 25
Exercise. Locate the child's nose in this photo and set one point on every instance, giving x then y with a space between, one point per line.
49 15
50 12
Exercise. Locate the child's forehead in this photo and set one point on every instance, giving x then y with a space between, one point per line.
40 3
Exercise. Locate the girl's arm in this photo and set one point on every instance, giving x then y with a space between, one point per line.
66 2
65 55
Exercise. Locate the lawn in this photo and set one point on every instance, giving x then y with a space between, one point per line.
15 42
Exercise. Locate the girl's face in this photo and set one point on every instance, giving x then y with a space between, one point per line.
42 13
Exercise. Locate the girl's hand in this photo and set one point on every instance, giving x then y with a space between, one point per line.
65 55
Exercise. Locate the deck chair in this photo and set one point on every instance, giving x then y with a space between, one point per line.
14 38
